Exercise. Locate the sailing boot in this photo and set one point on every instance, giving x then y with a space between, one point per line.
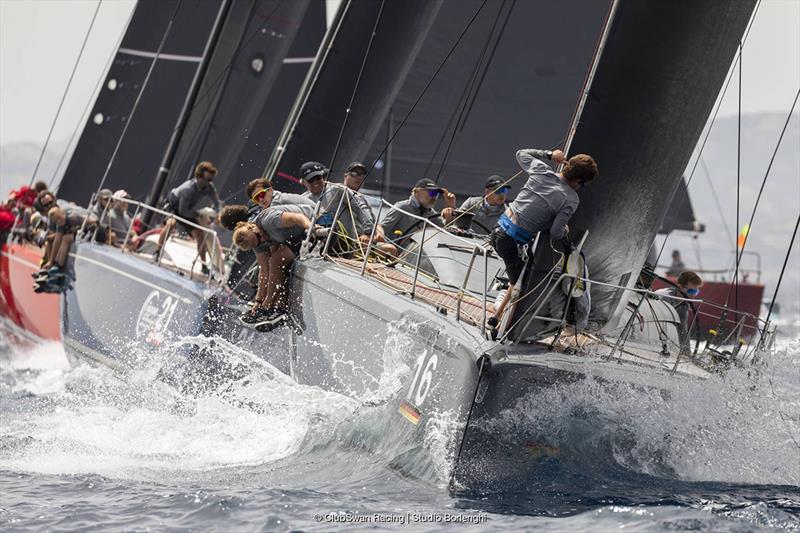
275 319
253 317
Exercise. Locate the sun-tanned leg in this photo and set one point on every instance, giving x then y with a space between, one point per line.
63 249
280 260
168 225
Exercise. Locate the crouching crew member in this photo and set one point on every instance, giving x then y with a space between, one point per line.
64 225
545 203
185 201
275 235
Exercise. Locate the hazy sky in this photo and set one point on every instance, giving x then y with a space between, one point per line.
40 40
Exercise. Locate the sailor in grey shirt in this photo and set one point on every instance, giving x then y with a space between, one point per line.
192 195
546 201
486 209
269 221
330 196
398 223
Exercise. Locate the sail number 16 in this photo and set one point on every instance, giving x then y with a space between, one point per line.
421 384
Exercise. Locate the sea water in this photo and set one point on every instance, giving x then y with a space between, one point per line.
85 447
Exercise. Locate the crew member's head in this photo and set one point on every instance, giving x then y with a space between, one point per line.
231 215
120 198
580 170
676 255
44 202
426 192
205 173
260 191
247 236
354 175
104 196
313 175
690 283
39 186
496 190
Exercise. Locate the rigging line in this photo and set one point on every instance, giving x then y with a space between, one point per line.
740 252
491 57
141 92
425 89
91 101
357 84
738 176
344 126
716 199
472 83
66 90
780 277
714 117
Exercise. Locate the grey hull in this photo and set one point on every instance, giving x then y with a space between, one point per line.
434 380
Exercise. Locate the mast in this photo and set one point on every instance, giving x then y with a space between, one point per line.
183 118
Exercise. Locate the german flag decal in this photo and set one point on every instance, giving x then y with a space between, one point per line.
410 412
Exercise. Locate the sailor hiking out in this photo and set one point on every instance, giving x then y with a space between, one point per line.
545 203
275 235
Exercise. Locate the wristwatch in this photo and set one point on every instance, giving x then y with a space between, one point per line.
549 154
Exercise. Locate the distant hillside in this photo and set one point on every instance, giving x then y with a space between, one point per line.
770 232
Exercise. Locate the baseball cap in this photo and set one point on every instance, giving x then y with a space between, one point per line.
496 181
426 183
120 194
357 167
312 169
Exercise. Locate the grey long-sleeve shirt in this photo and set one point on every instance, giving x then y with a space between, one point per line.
545 202
187 198
398 219
484 214
329 199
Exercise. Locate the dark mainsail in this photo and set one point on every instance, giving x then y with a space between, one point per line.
680 215
137 160
313 130
526 89
656 82
244 67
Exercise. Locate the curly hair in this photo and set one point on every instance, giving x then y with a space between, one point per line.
205 166
581 168
232 215
689 278
257 184
241 233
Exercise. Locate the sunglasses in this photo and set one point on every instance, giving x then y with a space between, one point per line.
434 193
315 178
502 190
692 292
259 195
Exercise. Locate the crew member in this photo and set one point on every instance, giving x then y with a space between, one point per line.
353 222
185 200
398 224
275 235
545 203
688 286
486 209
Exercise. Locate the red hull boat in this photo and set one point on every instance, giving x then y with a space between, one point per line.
34 313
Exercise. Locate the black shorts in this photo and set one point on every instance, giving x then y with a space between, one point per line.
182 226
508 249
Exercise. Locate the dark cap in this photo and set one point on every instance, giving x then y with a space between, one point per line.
426 183
311 169
495 182
357 167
